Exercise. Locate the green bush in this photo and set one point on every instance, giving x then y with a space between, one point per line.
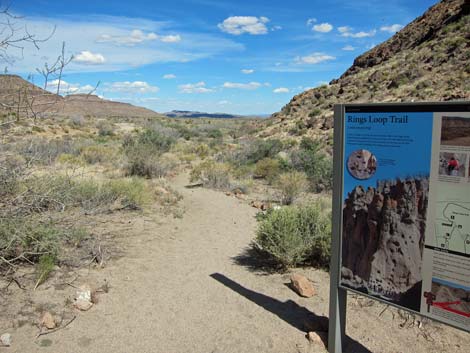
290 186
58 192
212 174
215 134
26 239
97 154
256 150
268 168
296 235
310 159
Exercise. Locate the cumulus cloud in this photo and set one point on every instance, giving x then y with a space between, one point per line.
322 27
391 29
348 48
131 87
88 58
347 32
199 87
276 28
137 36
314 58
237 25
311 21
169 76
170 38
247 86
344 29
247 71
281 90
68 88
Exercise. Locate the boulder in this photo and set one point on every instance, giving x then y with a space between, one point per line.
5 340
302 285
48 321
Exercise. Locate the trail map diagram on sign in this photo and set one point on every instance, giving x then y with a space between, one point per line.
453 226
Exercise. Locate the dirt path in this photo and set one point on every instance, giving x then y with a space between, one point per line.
179 289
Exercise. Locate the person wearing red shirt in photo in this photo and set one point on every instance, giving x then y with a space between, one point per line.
452 165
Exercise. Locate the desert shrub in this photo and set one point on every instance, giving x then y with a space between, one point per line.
12 168
215 134
27 239
57 192
105 128
311 160
77 121
211 174
145 162
97 154
43 151
268 168
314 112
255 150
290 186
202 150
294 235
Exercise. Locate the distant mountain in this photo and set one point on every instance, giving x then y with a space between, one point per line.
193 114
20 96
428 60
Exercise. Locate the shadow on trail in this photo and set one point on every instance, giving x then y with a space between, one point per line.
289 311
255 260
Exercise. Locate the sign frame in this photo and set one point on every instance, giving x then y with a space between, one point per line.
338 293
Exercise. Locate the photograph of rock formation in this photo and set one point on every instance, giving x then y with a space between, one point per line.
455 298
452 164
455 131
383 239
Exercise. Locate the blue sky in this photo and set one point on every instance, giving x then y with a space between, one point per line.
244 57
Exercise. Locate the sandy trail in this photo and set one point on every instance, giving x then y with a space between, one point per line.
179 289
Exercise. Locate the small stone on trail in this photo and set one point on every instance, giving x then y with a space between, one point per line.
83 301
47 320
83 305
302 285
316 337
5 340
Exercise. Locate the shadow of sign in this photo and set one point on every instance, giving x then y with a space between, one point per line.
289 311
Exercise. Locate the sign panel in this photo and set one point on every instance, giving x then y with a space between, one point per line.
405 234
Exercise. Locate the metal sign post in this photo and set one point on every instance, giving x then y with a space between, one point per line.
401 211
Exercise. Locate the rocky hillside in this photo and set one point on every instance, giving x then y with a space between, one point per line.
428 60
20 96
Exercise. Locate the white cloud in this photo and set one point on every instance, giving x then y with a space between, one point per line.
171 38
281 90
247 71
88 58
276 28
223 102
344 29
131 87
81 33
346 32
311 21
137 36
244 24
68 88
391 29
169 76
247 86
199 87
314 58
348 48
322 27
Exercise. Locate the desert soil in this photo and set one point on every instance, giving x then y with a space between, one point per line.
183 285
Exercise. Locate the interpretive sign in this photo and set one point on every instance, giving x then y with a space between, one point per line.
401 227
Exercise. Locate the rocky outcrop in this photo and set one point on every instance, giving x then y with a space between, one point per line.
383 236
